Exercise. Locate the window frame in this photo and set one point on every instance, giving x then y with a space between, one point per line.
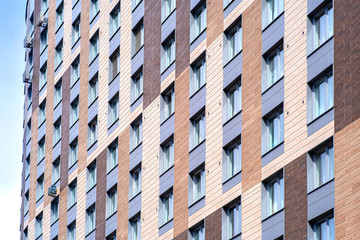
111 204
43 40
90 219
167 162
40 187
59 54
94 47
274 118
276 182
114 60
269 15
329 221
39 225
197 129
72 194
197 75
55 171
57 93
233 32
41 150
91 176
275 58
94 10
136 134
74 111
115 12
43 76
135 228
166 12
233 99
137 81
111 161
57 131
166 207
75 71
198 20
168 55
71 231
232 212
93 93
167 104
135 183
198 228
54 216
235 145
75 31
59 16
73 152
138 29
197 180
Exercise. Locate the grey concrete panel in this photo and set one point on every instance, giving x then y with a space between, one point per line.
110 224
134 205
40 201
71 214
112 178
273 34
57 112
197 101
54 229
76 11
91 197
93 110
75 46
137 14
27 184
166 227
320 60
58 68
166 181
320 122
91 235
313 4
235 180
137 61
40 169
168 26
43 89
272 154
135 157
167 128
321 200
232 129
197 156
229 8
232 70
92 148
56 151
136 103
74 91
114 87
113 127
42 131
74 131
59 35
273 226
73 168
199 39
94 67
94 20
114 42
44 56
168 70
196 206
273 97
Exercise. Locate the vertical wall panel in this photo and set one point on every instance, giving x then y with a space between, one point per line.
182 36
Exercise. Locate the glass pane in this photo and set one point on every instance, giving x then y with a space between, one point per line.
330 92
330 23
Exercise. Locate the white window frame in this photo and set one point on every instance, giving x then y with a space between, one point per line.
59 20
168 52
135 228
71 231
167 7
233 103
328 224
59 54
273 134
317 40
167 155
26 202
274 67
38 225
197 75
75 71
44 6
196 185
42 113
41 150
43 76
198 21
40 187
271 9
166 203
27 167
114 62
43 39
197 232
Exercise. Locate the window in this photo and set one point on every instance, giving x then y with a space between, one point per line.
27 167
73 153
232 160
71 233
59 54
112 157
233 100
93 90
57 132
135 225
75 71
25 234
55 210
322 94
322 26
197 75
168 104
135 182
72 194
135 3
74 2
167 7
114 21
197 232
137 38
271 10
167 155
111 236
28 131
226 3
42 113
111 203
168 52
274 67
29 95
57 93
31 25
323 229
91 176
92 132
41 150
55 175
44 6
59 16
198 21
26 203
273 133
94 9
197 134
320 166
94 47
135 134
197 185
40 187
43 39
90 219
273 200
74 111
233 42
113 115
166 207
38 225
136 86
76 28
231 220
114 65
43 76
31 59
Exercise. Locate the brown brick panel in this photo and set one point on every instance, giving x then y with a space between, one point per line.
152 42
213 225
123 185
296 199
181 153
63 214
182 38
215 20
101 194
182 236
251 85
346 62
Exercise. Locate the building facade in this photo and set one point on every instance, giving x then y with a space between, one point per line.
191 119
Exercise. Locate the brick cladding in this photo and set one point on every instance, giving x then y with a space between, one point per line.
101 194
215 19
182 37
213 225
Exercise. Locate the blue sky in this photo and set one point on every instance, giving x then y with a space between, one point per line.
12 32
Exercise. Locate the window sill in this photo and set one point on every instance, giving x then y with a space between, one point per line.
316 188
74 44
38 236
136 52
131 198
51 224
229 120
272 214
28 107
235 236
117 30
75 4
40 161
113 123
163 224
91 188
269 87
58 66
92 102
133 102
71 206
28 141
269 24
54 183
166 68
93 60
316 49
230 60
46 10
40 198
114 78
57 104
197 36
318 117
88 233
270 150
41 123
224 8
42 87
54 145
58 28
26 178
108 217
228 179
108 172
91 145
168 16
132 150
72 165
71 125
167 118
94 17
134 8
193 203
163 173
191 150
41 52
72 85
198 90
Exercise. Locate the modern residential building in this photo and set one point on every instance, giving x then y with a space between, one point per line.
191 119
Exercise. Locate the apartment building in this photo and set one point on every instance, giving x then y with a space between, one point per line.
191 119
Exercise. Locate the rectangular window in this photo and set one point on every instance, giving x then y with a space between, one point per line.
137 38
59 54
197 185
233 42
38 225
25 235
114 65
93 90
74 2
197 21
274 130
57 93
136 86
92 132
135 3
28 131
231 220
31 25
232 160
73 153
54 210
94 9
72 192
167 104
167 7
272 9
59 16
41 150
42 113
71 231
135 134
91 176
322 94
197 134
27 167
26 203
43 39
57 132
197 232
135 225
55 175
31 59
135 182
168 155
111 203
43 76
323 229
74 111
94 47
29 96
168 52
76 27
40 187
322 25
90 219
114 21
113 114
197 75
166 207
274 196
274 69
75 71
44 6
233 99
112 157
